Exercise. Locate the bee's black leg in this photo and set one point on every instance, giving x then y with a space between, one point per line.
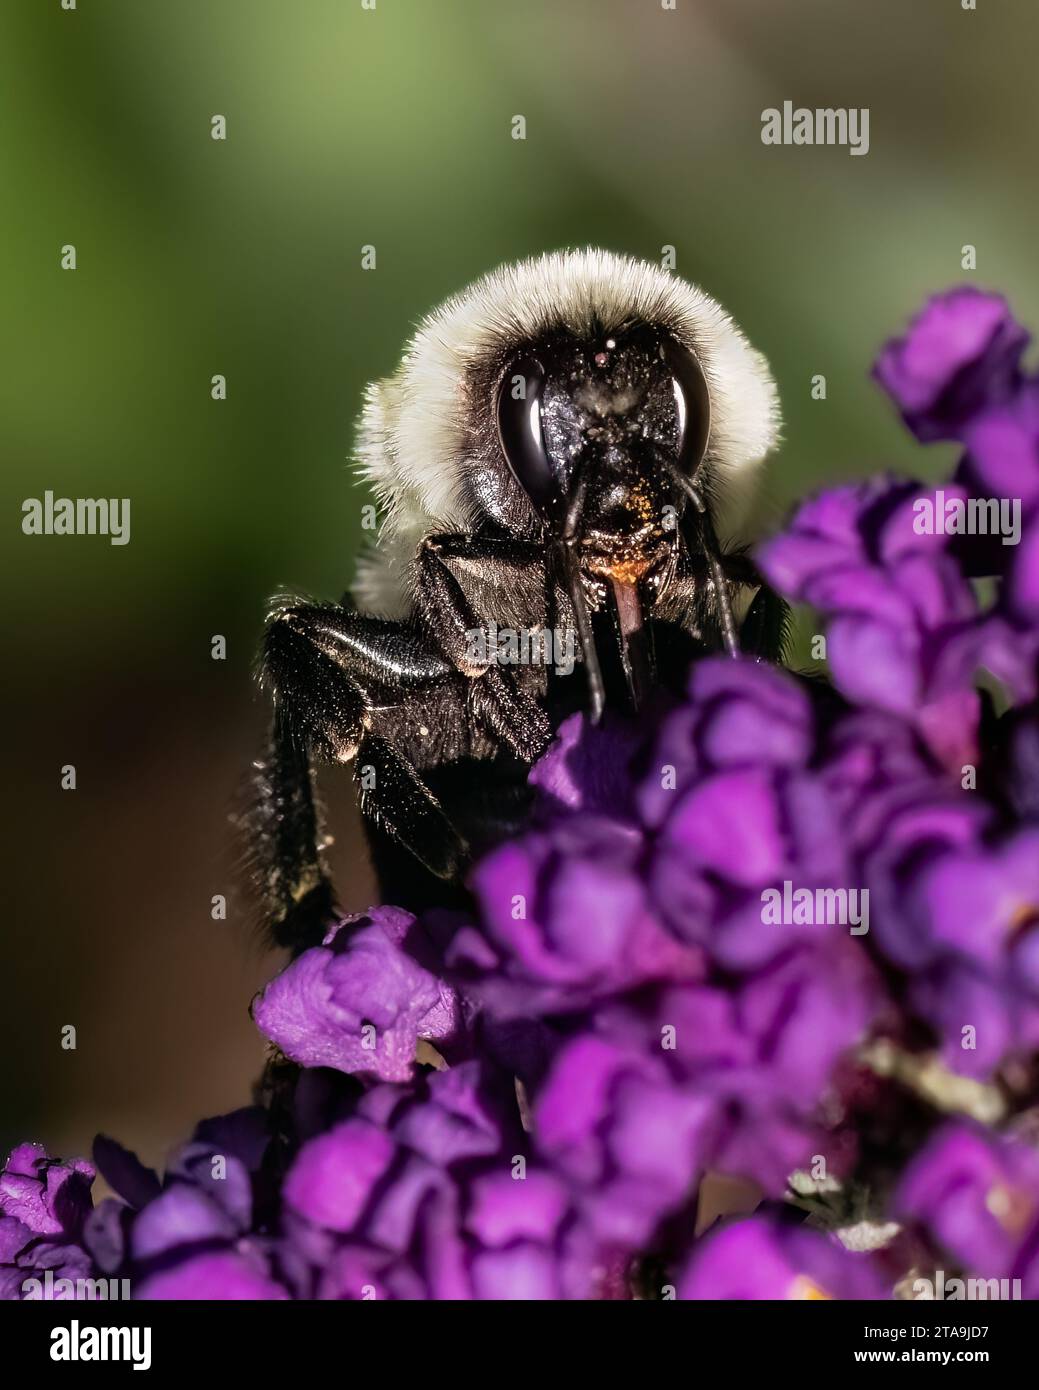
765 630
567 557
283 841
713 553
723 598
396 799
327 669
513 716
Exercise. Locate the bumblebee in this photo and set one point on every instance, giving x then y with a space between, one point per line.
567 447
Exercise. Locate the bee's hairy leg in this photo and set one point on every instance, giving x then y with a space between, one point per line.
568 563
765 630
488 563
719 580
395 798
282 841
327 668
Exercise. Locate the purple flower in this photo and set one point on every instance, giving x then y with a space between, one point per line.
586 768
723 858
124 1172
1001 469
979 921
904 631
34 1268
767 1055
43 1206
961 353
765 1259
739 715
707 1078
361 1001
866 756
957 375
526 1244
1002 458
630 1142
566 920
425 1194
738 813
177 1238
978 1197
1022 590
897 833
224 1275
47 1196
668 1073
332 1180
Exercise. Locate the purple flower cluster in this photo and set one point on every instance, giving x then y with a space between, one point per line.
777 929
976 1197
43 1207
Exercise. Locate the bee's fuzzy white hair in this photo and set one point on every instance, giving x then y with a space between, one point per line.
411 441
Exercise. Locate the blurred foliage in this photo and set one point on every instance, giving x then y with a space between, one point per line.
389 127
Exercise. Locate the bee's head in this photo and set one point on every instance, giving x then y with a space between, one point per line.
568 390
598 430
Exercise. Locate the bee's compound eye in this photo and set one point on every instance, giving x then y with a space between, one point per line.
519 428
694 405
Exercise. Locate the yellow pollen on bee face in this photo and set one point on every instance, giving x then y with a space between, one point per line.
804 1289
640 503
629 571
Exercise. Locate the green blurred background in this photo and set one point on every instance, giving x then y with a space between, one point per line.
390 127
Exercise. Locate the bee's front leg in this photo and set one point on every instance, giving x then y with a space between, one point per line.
490 567
328 668
714 578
